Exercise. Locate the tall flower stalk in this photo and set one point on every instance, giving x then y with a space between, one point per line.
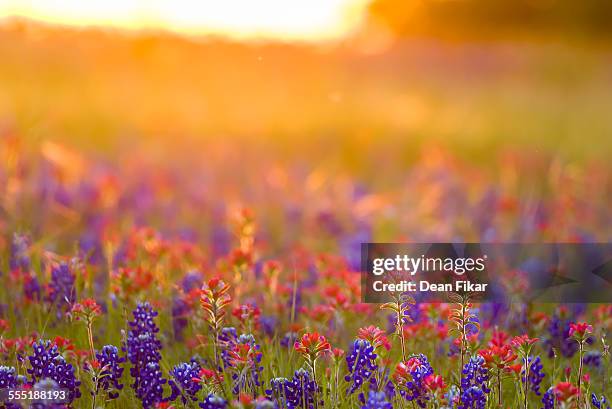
214 298
462 320
580 332
400 306
87 311
523 346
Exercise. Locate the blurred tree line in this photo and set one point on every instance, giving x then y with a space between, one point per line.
484 17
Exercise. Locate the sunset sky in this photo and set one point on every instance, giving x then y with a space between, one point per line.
308 20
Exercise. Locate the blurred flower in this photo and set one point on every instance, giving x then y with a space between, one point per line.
599 403
565 391
592 358
87 309
523 341
377 400
180 312
580 330
248 316
558 337
213 401
435 384
61 289
20 253
288 339
268 324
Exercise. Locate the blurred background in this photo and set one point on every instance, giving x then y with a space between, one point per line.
514 94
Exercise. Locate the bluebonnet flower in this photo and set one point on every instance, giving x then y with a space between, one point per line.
535 374
150 385
301 391
9 379
473 398
451 397
61 287
410 377
600 403
411 314
245 359
268 324
144 315
361 363
296 393
265 404
191 281
110 362
549 399
228 335
180 311
31 287
558 337
288 339
350 245
182 381
46 362
475 373
227 338
592 358
277 391
19 259
46 384
377 400
213 402
143 351
19 256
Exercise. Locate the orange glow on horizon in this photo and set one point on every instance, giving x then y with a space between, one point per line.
308 20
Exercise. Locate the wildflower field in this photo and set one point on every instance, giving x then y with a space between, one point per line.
177 272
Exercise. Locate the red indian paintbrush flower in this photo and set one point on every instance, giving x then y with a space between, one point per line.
87 309
580 330
434 383
4 325
375 336
312 345
214 298
499 357
337 354
565 391
522 341
248 315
